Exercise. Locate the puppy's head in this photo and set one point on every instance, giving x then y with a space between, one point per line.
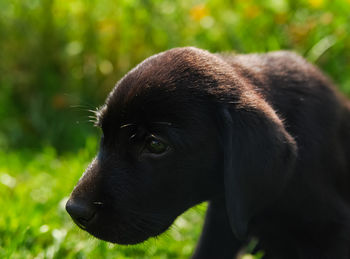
165 127
158 153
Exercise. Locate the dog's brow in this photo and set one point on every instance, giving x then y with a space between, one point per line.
127 125
156 122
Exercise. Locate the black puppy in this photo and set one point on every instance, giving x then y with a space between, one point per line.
264 138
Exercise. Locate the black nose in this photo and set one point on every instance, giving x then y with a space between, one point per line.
81 212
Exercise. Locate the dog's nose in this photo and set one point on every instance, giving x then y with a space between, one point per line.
81 212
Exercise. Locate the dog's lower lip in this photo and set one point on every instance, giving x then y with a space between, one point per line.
86 223
80 225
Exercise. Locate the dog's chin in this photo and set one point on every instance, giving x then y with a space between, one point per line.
125 232
120 238
125 237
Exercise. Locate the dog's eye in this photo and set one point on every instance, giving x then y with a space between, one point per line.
155 145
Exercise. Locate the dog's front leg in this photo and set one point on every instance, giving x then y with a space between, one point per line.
217 239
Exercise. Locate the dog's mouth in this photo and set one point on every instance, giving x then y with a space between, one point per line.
126 229
127 225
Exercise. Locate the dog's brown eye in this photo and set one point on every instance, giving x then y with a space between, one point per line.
155 145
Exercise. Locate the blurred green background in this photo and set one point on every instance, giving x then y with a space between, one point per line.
59 59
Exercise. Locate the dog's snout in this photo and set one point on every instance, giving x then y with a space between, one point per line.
81 212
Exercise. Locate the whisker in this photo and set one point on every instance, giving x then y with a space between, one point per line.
85 107
94 111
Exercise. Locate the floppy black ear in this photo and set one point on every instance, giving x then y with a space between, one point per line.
258 157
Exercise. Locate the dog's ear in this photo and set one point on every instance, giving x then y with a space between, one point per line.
259 155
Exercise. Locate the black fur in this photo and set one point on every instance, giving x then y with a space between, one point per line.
264 138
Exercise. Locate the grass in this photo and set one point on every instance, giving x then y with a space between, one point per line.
34 224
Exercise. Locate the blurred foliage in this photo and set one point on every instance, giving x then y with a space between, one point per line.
58 59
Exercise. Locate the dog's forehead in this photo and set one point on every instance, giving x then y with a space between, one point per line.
164 69
158 86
